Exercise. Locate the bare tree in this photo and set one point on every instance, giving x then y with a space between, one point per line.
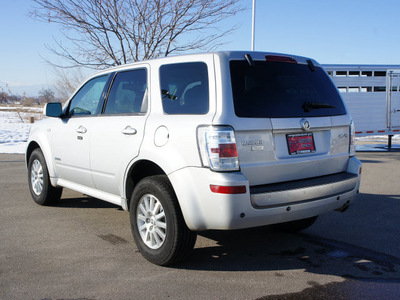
6 95
46 95
103 33
3 94
67 81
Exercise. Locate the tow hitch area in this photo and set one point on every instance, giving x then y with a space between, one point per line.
344 207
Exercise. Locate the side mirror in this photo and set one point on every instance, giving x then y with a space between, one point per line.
53 109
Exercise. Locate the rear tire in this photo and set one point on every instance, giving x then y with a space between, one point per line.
157 224
43 193
295 226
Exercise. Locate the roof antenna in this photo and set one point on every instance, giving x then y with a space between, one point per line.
249 60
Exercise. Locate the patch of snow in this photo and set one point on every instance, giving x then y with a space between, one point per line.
13 132
376 147
13 148
378 138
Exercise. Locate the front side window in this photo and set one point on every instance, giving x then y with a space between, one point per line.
184 88
128 93
86 101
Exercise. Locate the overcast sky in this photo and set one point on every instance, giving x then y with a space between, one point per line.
332 32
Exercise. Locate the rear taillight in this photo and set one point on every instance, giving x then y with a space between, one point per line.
217 146
352 142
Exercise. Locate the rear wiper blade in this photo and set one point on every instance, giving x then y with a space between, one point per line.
308 106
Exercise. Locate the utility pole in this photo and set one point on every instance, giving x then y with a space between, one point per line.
253 27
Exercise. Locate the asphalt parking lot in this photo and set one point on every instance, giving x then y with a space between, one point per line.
82 248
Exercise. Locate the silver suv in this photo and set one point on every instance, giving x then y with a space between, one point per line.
223 140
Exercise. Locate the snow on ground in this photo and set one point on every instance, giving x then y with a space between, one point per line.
377 143
15 126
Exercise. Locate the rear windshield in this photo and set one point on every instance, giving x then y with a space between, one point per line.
270 89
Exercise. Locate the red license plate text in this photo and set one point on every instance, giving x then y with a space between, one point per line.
300 143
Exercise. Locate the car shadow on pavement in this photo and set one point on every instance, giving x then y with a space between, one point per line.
83 202
313 250
262 249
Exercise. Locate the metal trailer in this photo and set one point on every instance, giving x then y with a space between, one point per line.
372 95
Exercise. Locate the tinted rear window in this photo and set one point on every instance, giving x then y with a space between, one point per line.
282 90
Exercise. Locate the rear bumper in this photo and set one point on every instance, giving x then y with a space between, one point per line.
302 191
260 205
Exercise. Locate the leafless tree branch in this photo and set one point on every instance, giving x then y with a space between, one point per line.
103 33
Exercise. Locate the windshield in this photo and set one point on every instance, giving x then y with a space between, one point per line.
271 89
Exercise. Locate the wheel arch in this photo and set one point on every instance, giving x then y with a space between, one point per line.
31 147
139 170
34 144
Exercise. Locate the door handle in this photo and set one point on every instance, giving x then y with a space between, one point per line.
129 130
81 129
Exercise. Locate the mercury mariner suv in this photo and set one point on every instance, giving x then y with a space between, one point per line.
221 141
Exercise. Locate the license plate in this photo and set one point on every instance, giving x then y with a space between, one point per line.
300 143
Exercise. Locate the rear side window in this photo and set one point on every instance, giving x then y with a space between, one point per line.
184 88
271 89
128 93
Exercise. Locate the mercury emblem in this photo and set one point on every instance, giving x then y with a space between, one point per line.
305 124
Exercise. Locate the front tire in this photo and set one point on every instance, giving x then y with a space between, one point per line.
43 193
157 224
